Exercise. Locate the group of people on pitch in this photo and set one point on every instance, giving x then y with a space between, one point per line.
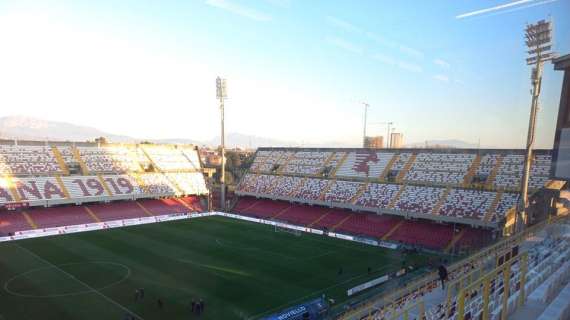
197 307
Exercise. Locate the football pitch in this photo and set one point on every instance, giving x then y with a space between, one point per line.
241 270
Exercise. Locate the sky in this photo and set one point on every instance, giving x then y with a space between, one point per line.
296 70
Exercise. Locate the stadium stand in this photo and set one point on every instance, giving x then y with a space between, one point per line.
122 185
468 186
429 235
377 195
330 218
115 159
470 204
301 215
306 162
419 199
155 183
342 191
368 225
116 210
188 182
60 216
12 222
311 189
364 163
416 233
286 185
440 168
35 175
171 159
522 277
39 188
27 160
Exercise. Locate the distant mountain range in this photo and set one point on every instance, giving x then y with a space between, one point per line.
29 128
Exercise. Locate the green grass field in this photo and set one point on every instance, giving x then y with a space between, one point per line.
242 270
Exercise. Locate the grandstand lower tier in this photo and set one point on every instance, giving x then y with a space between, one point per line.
34 218
430 235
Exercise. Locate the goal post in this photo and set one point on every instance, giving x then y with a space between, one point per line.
280 227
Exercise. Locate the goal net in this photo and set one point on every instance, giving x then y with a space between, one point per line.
280 228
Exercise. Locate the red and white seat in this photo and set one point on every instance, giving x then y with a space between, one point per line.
440 168
418 199
38 188
172 159
189 183
342 191
27 160
377 195
122 185
115 159
364 164
156 184
311 189
472 204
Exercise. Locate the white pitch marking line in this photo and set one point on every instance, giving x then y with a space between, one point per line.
314 293
80 282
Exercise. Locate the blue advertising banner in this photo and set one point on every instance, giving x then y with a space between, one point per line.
311 310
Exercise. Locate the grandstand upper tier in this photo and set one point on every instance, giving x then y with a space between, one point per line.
43 174
469 186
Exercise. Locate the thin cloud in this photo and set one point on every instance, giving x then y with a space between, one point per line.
239 10
501 7
384 59
404 65
344 44
380 40
409 66
441 77
280 3
411 52
345 25
442 63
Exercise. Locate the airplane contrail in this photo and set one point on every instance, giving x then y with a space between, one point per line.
495 8
519 8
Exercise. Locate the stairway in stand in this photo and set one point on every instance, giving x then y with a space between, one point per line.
407 167
493 208
472 171
82 165
441 201
491 178
339 164
360 191
60 161
388 167
326 189
394 228
453 241
396 197
341 222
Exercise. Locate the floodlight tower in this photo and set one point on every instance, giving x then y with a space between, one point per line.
221 94
539 42
366 106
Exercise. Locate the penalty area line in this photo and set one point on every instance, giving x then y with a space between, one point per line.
314 293
80 282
